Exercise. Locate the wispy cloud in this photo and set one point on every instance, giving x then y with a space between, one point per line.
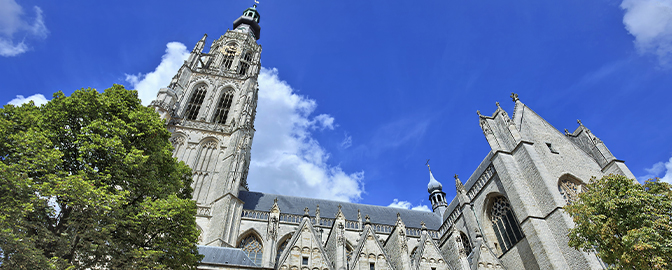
347 141
39 99
286 158
149 84
650 22
660 169
397 133
396 203
15 29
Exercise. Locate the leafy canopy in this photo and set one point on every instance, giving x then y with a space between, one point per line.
88 181
629 225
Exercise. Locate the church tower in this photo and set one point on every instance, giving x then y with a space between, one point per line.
210 107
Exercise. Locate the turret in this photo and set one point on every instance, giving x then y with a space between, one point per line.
436 195
249 22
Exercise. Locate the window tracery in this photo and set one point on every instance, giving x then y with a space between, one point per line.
504 223
194 103
465 243
223 106
251 245
570 190
281 249
245 63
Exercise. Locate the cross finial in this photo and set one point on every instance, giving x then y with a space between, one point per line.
514 96
579 121
497 103
427 163
456 176
275 200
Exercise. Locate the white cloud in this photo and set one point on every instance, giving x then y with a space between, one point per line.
347 141
149 84
286 159
660 169
39 99
12 24
396 203
650 21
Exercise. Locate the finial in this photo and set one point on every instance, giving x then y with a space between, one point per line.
514 96
479 112
367 218
458 185
398 215
579 121
306 212
430 169
497 103
275 200
566 132
422 225
339 206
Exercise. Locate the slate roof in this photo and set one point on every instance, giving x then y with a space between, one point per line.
379 214
225 255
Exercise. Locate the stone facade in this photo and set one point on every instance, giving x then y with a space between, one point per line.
507 215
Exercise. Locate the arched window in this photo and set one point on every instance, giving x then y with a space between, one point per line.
281 248
465 243
194 104
223 107
245 63
229 54
504 223
251 245
570 189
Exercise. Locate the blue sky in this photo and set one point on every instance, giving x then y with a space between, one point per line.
356 95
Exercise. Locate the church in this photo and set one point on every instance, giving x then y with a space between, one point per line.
506 215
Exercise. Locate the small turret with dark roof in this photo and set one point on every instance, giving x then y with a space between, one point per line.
436 195
249 21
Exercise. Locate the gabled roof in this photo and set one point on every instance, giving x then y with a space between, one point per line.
305 223
368 231
379 214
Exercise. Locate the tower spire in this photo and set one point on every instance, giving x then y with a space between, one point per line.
436 195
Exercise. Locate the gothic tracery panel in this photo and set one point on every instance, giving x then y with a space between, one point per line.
570 189
251 245
505 223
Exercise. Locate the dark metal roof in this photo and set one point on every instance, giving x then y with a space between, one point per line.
328 209
224 255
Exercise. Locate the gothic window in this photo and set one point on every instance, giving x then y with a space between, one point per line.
465 243
223 107
281 249
245 63
504 223
229 54
570 189
251 245
414 253
194 104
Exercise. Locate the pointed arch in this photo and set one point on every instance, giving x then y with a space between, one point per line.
195 101
282 245
204 166
229 54
245 63
466 243
252 244
223 105
504 222
570 187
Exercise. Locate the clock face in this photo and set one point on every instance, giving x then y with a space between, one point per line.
229 50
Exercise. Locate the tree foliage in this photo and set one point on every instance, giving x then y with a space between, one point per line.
88 181
629 225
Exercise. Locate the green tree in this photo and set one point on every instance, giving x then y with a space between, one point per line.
88 181
629 225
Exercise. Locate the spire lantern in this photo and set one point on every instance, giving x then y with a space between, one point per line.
249 22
